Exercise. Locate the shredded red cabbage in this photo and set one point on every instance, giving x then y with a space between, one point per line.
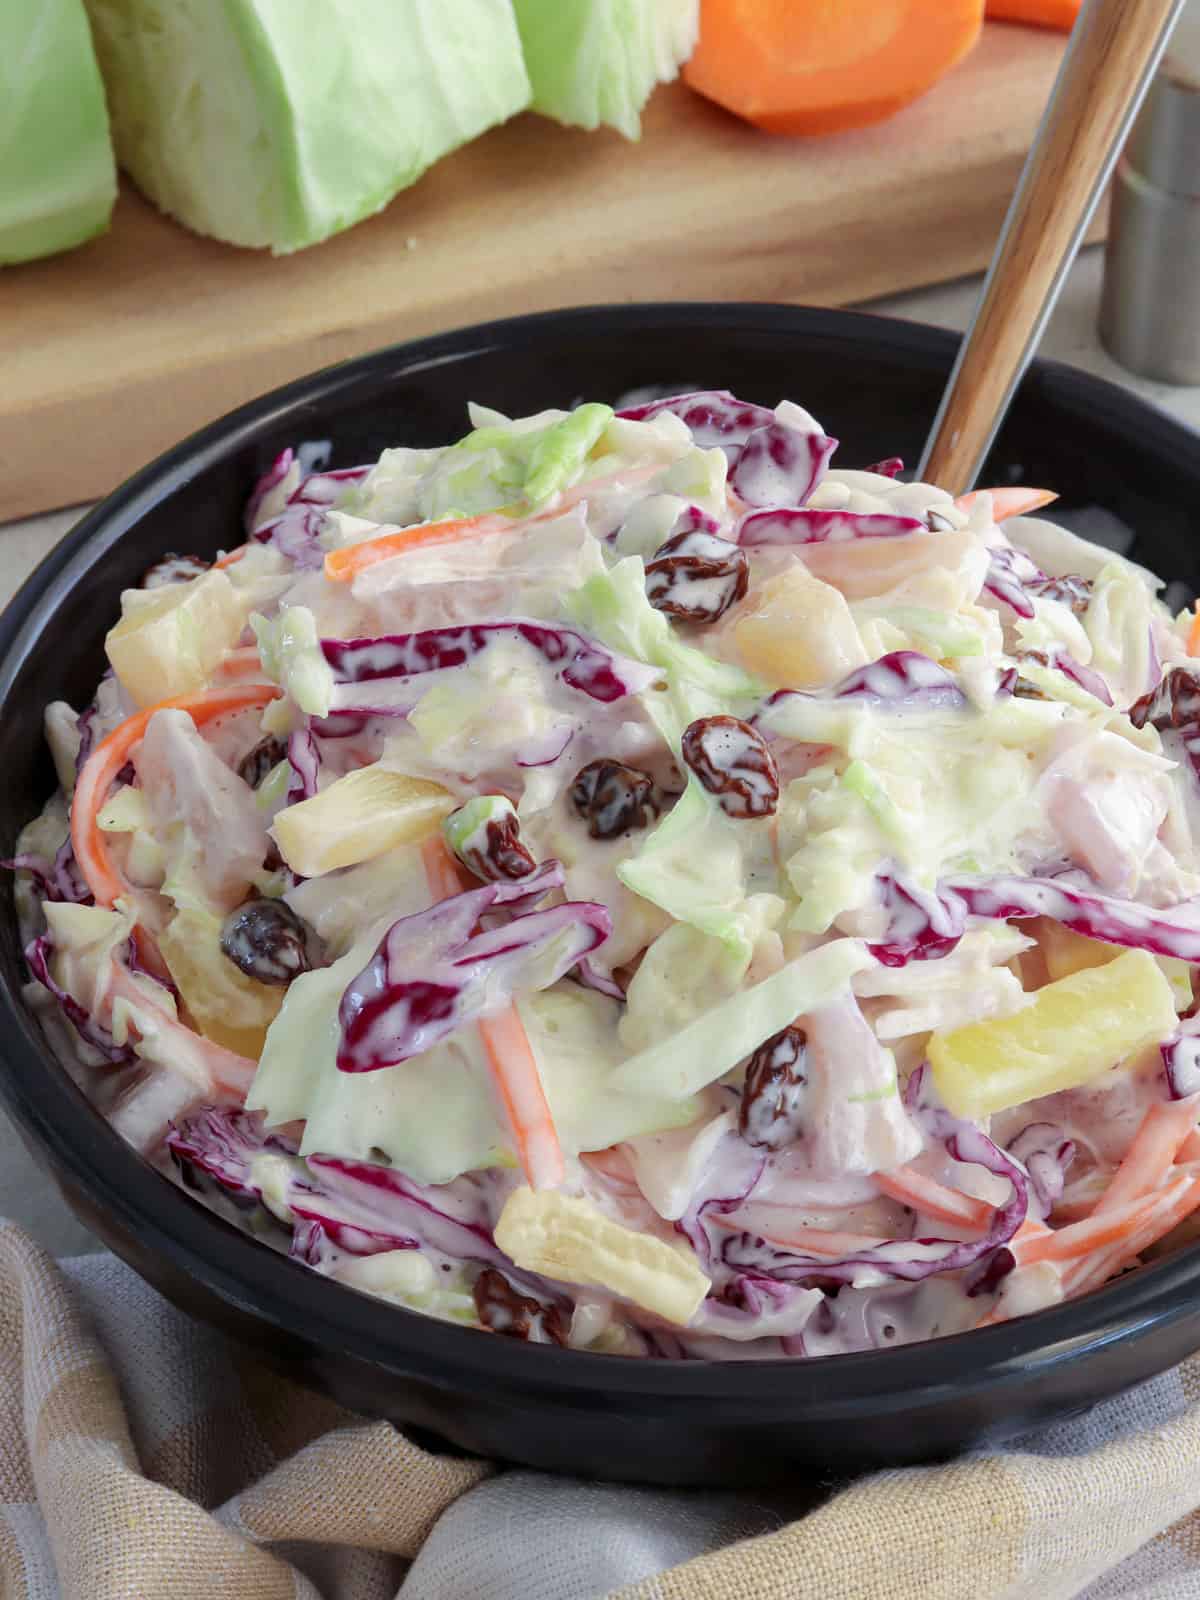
270 479
304 758
1181 1059
1046 1154
714 416
582 663
902 680
1009 571
892 467
781 465
93 1033
432 974
799 525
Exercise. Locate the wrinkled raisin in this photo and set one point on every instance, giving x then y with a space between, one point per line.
697 576
1174 703
267 941
732 761
1071 590
173 569
500 1308
773 1095
500 855
266 755
613 798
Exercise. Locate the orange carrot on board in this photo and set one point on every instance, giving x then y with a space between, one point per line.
111 754
805 66
1042 13
932 1199
1015 502
510 1056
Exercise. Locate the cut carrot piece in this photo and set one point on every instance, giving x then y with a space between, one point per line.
1042 13
933 1199
1148 1161
829 1242
1081 1239
1193 640
242 663
1174 1205
510 1056
344 565
102 766
231 557
1009 502
796 66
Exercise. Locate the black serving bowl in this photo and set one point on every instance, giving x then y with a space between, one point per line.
875 383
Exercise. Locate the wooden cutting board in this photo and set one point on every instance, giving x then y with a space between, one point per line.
112 353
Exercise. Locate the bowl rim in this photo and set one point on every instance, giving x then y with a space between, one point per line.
252 1277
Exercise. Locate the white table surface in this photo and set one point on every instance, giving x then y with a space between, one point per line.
25 1194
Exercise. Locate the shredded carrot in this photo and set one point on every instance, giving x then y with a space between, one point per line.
1172 1206
231 557
912 1188
227 1075
795 66
1079 1239
244 662
510 1056
829 1242
342 566
102 766
1193 640
1015 502
1189 1150
1061 14
1148 1161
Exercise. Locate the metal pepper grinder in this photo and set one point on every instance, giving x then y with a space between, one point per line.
1150 310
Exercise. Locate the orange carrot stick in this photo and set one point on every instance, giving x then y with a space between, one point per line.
242 663
808 68
829 1242
1174 1205
1060 14
912 1188
1148 1161
1014 502
231 557
107 759
342 566
510 1056
1080 1239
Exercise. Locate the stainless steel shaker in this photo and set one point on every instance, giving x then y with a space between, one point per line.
1150 310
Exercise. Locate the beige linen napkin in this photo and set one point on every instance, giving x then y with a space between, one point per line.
145 1458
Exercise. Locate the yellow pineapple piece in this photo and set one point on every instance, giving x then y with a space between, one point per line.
169 640
798 633
226 1006
1066 952
359 816
1073 1030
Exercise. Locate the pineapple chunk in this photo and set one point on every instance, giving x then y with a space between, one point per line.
169 640
568 1238
363 814
799 633
1066 953
1074 1029
227 1007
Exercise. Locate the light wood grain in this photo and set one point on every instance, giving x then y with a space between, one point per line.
1114 49
112 353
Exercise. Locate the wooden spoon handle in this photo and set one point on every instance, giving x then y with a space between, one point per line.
1111 59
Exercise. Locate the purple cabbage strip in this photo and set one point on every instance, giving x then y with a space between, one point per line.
1061 660
295 533
1046 1154
583 664
1009 570
731 1177
789 525
432 974
714 416
929 923
57 880
1181 1060
589 976
270 479
781 465
324 488
37 957
892 467
222 1142
901 680
305 761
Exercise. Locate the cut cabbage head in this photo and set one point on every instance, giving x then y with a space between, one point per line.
279 122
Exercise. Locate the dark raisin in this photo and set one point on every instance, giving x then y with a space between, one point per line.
517 1316
173 569
1072 591
500 855
267 941
613 798
773 1095
732 761
1174 703
697 576
266 755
